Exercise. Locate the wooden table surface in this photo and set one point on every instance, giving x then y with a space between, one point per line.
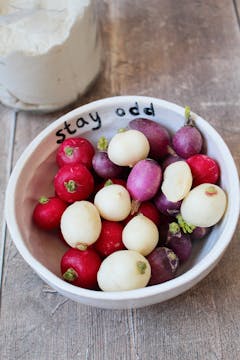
184 51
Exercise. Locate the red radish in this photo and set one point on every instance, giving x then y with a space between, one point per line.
144 180
80 267
110 238
187 141
148 209
110 182
204 169
74 151
48 211
73 183
156 134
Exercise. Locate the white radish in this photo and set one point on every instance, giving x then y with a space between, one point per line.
204 206
113 202
124 270
128 147
140 234
81 224
177 181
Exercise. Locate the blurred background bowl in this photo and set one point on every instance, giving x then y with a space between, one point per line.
33 176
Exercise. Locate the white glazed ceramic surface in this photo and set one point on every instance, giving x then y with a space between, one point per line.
33 174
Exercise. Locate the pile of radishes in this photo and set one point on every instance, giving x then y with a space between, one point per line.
131 208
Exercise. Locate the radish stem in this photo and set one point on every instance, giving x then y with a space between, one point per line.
186 228
70 275
68 151
141 266
70 185
43 200
102 143
189 120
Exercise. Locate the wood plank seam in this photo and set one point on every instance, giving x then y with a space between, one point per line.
236 10
9 170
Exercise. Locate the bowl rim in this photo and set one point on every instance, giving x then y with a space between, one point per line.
183 281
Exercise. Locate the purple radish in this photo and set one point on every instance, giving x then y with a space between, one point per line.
101 163
164 264
165 206
169 160
187 141
200 232
104 167
157 135
144 180
165 220
179 242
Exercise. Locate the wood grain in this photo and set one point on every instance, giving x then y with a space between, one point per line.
6 150
188 54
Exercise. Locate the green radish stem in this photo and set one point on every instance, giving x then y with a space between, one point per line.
186 228
108 182
70 185
141 266
70 275
102 143
68 151
189 120
121 130
81 246
174 228
43 200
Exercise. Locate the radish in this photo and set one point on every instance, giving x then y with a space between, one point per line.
113 202
81 224
165 220
73 183
164 264
204 169
108 182
169 160
48 211
74 151
165 206
200 232
124 270
127 147
179 242
104 167
204 206
157 135
101 163
187 141
177 181
110 239
140 234
80 268
147 208
144 180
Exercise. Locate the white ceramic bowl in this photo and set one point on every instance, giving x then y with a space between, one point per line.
34 171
